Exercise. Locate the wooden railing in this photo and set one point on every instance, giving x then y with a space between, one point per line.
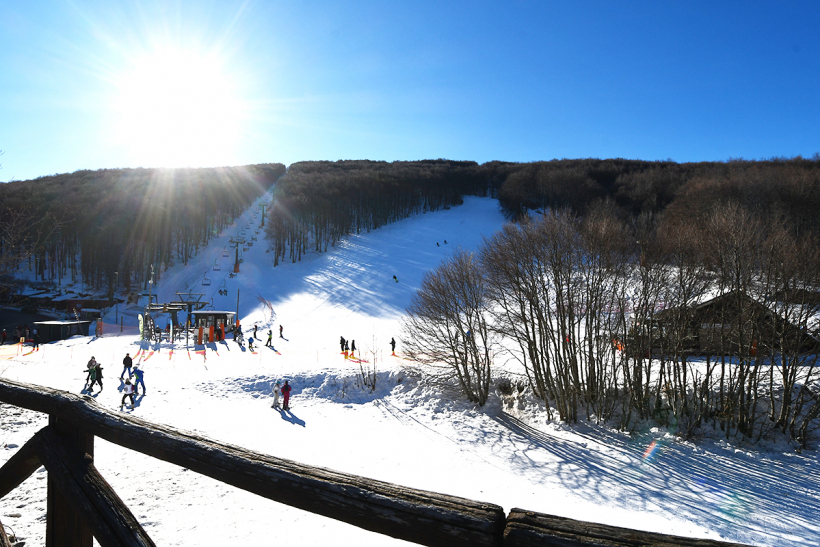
81 504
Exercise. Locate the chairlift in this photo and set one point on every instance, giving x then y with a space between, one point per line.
244 232
244 248
225 250
253 238
206 281
250 244
217 267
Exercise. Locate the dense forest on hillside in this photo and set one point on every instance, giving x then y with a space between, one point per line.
317 203
91 224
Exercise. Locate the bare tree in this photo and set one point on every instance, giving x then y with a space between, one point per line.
447 331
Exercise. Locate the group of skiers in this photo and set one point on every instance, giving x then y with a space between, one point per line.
238 336
130 390
94 377
351 348
22 332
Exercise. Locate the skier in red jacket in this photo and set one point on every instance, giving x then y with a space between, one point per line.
286 396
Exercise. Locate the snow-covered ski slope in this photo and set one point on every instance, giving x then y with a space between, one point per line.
402 432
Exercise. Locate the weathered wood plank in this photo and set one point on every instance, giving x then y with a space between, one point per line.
90 496
18 468
418 516
65 525
530 529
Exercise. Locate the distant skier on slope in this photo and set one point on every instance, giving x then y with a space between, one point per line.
280 332
269 343
393 345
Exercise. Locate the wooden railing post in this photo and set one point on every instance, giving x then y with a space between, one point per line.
64 526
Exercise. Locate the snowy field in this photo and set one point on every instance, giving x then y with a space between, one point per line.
402 433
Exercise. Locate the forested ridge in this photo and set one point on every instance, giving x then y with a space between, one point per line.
90 224
319 202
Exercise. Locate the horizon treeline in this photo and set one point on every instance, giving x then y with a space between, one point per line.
97 226
319 202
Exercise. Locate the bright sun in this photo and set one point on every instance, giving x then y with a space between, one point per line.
178 109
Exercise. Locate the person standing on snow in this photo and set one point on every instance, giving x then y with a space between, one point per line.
98 375
280 332
250 343
342 343
89 370
126 365
269 343
393 345
138 374
92 377
286 396
276 390
255 327
352 346
127 391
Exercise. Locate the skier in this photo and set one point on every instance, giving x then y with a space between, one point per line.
250 343
89 369
255 327
36 340
347 346
393 345
342 343
437 245
138 374
396 279
269 343
445 242
276 391
286 396
97 375
126 365
127 391
280 332
237 334
92 377
352 346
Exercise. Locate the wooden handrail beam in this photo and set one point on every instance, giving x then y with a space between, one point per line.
528 529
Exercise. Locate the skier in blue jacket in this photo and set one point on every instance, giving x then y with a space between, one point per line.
138 372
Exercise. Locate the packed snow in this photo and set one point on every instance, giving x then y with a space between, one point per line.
403 431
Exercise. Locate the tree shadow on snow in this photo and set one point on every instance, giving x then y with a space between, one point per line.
716 487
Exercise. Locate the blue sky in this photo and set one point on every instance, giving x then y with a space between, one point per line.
90 85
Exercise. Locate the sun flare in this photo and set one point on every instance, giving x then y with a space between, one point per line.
178 109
